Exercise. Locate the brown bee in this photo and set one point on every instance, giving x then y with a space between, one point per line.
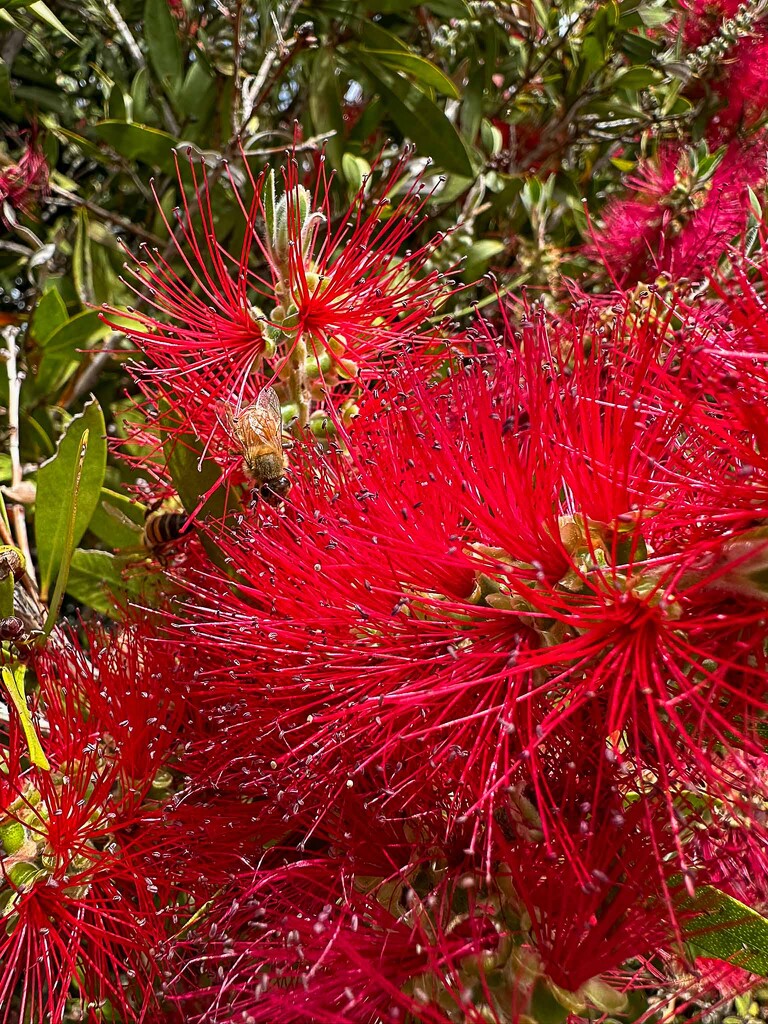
258 431
162 528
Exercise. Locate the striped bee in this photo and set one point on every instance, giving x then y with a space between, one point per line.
258 432
162 528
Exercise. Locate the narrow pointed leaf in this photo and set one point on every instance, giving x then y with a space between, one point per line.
13 680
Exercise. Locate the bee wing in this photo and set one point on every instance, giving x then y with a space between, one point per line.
121 517
268 406
265 419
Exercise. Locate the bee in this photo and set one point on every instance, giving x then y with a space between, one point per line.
258 431
162 528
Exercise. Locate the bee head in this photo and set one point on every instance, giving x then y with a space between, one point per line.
275 492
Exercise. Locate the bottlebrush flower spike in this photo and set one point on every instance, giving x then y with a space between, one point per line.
487 560
220 325
322 949
690 205
81 928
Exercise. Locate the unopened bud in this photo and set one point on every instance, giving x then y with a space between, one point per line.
312 281
23 875
318 366
11 562
347 369
604 997
291 214
12 836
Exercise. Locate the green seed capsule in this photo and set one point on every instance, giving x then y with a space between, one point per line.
23 875
12 836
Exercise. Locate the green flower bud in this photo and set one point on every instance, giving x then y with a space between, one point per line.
12 836
315 366
23 875
11 562
313 281
604 997
295 205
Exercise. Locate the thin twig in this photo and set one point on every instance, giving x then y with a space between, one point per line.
83 384
125 33
108 215
16 513
135 51
238 59
258 90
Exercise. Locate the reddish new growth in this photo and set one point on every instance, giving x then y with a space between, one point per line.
22 183
687 210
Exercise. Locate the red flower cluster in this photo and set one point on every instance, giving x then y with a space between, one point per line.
80 887
683 211
470 696
338 293
733 44
463 728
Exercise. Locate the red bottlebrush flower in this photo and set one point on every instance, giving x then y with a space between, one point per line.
491 559
347 288
725 979
594 899
23 182
309 943
81 927
348 937
687 212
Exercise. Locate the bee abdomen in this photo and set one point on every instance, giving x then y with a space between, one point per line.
162 528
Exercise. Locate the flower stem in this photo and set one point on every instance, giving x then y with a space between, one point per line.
297 380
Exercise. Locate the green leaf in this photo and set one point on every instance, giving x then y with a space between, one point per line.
53 506
95 580
50 313
82 263
656 15
193 478
450 8
43 13
377 38
479 256
68 547
6 596
77 330
161 34
60 348
149 146
727 929
420 120
116 520
13 678
416 67
636 78
325 105
8 104
197 95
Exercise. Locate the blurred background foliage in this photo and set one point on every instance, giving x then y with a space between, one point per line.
524 117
